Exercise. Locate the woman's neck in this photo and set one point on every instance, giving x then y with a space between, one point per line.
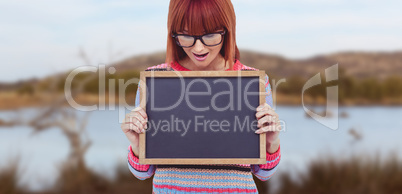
219 64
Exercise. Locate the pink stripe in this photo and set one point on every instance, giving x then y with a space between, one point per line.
176 66
209 190
237 66
134 162
163 65
267 81
248 68
264 178
271 157
274 155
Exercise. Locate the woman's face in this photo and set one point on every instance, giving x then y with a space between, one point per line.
204 57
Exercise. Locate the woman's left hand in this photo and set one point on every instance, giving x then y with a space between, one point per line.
268 122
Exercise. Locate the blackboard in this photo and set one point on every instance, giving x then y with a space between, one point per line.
202 117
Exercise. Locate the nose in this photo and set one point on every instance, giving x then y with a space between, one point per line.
198 47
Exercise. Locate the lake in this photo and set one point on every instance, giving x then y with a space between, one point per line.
304 139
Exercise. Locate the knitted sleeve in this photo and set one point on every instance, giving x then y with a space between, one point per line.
265 171
141 171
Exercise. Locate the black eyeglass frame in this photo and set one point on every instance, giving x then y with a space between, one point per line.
175 36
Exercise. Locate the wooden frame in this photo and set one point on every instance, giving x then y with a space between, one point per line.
147 74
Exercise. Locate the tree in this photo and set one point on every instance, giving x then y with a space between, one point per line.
55 114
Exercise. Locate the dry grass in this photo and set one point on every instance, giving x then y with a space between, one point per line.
81 180
359 174
126 183
9 177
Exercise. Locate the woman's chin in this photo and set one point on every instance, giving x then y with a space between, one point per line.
200 64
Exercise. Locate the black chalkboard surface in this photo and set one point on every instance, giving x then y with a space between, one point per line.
202 117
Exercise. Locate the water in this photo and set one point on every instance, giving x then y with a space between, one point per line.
306 139
303 140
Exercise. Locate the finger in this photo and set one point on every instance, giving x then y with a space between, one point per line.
139 118
264 112
261 107
264 121
139 125
132 117
145 126
126 127
131 121
136 122
274 127
267 120
134 114
264 129
264 106
142 123
141 111
267 109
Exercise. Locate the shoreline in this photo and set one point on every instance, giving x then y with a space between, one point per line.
12 100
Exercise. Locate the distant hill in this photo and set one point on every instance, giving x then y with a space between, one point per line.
18 84
357 64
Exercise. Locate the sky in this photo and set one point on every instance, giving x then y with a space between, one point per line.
39 38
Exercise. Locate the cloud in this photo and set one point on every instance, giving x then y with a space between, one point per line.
44 36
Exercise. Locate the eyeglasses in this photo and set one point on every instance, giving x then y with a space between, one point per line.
212 39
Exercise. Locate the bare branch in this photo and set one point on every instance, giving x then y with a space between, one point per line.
84 122
83 55
9 123
55 115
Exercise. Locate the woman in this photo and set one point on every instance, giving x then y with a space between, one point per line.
202 37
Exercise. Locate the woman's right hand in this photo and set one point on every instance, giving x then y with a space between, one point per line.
134 124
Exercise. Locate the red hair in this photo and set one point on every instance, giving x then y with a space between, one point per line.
201 17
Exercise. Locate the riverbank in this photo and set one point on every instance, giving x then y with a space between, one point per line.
13 100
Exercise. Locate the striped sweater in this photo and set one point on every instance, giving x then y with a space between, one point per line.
235 178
